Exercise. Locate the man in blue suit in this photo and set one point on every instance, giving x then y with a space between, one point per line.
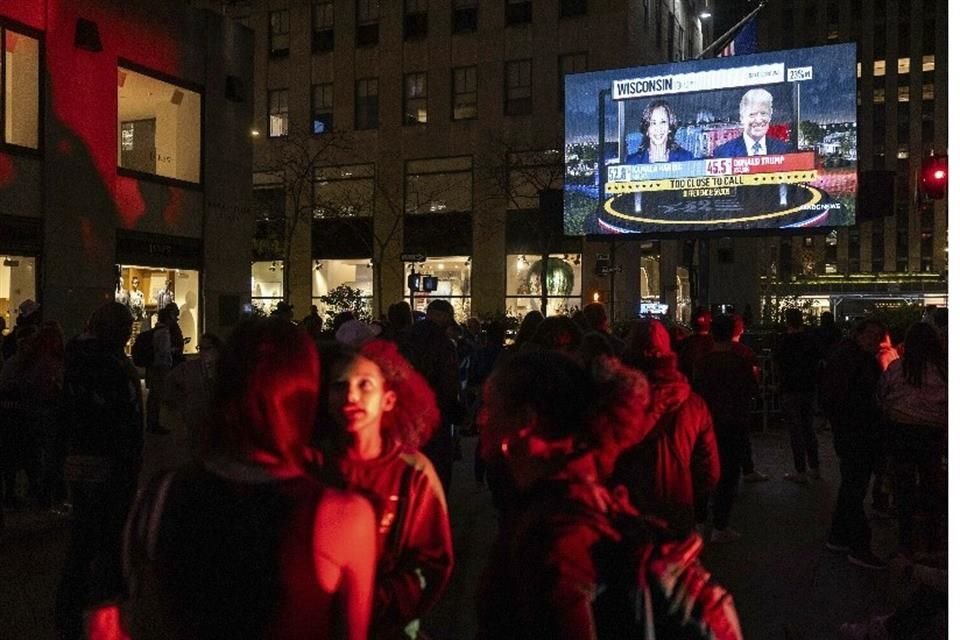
756 108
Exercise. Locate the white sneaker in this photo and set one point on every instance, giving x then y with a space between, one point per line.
799 477
724 535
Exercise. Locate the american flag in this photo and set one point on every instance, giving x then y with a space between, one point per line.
743 41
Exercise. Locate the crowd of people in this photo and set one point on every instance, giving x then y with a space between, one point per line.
312 498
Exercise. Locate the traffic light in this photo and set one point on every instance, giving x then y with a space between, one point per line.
933 177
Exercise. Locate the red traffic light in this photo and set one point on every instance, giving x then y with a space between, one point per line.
933 177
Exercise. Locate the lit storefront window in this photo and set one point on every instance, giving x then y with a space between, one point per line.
147 289
564 282
330 274
18 282
452 275
159 127
266 284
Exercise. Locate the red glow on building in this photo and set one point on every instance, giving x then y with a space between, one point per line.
8 171
129 200
173 211
78 78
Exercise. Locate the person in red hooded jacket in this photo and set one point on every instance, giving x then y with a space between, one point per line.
672 470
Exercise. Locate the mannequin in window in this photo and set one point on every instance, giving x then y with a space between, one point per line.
120 294
165 296
135 300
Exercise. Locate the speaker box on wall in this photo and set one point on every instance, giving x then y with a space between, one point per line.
87 36
177 97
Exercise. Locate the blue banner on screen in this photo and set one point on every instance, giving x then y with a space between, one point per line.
749 143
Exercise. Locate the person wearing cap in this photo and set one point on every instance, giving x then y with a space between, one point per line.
28 314
434 355
354 333
697 344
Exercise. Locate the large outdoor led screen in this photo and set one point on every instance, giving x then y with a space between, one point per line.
745 143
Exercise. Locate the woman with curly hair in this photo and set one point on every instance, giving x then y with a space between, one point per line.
380 411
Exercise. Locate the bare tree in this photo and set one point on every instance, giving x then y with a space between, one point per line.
293 162
520 177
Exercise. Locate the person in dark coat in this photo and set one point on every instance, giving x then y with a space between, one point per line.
797 362
559 427
727 384
102 409
850 402
672 470
434 355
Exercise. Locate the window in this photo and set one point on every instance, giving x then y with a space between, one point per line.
368 23
343 191
671 36
159 126
529 173
518 89
330 274
266 284
322 100
415 98
279 33
880 39
323 26
879 96
415 20
21 91
279 112
572 8
879 67
853 250
464 16
367 111
926 251
564 283
464 93
18 283
903 65
441 185
453 284
877 246
928 63
269 201
903 93
518 12
569 63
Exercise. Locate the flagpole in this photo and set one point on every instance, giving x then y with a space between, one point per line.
729 34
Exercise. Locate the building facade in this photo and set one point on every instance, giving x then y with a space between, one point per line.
899 252
124 161
389 132
427 130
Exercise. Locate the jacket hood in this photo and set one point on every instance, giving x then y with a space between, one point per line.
669 387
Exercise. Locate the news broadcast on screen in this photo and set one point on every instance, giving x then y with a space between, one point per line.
752 143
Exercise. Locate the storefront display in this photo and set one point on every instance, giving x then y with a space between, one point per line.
266 284
452 275
146 290
330 274
18 282
564 277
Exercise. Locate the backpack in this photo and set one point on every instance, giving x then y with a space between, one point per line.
653 587
142 350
